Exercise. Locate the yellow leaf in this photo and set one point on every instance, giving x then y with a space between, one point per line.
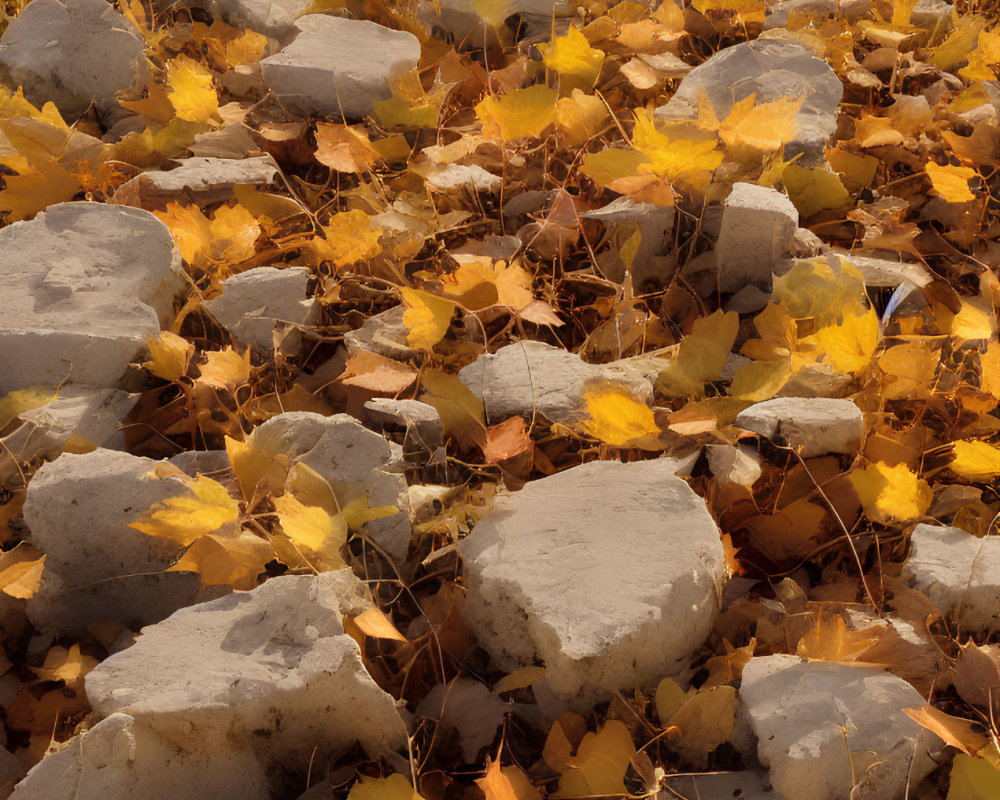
682 155
251 464
170 355
518 114
247 48
891 494
191 92
973 321
230 561
600 763
765 127
977 461
701 356
21 571
989 367
344 148
225 369
580 117
511 281
849 345
951 182
70 666
410 106
955 50
669 699
983 61
373 622
705 722
190 228
234 234
617 418
312 529
495 12
349 237
206 507
358 513
607 166
15 403
577 63
494 784
760 380
812 189
428 318
394 787
744 11
462 412
520 678
964 734
973 779
830 640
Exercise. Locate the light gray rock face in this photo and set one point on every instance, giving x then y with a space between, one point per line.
121 758
461 19
957 572
338 67
354 460
623 217
814 426
779 13
529 377
608 573
771 69
261 304
421 421
210 180
817 724
271 17
757 225
72 52
384 334
85 285
211 677
78 509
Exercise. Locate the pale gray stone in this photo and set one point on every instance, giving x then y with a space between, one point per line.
338 67
72 52
210 180
778 13
607 573
462 20
532 377
383 333
85 285
814 426
818 724
421 421
757 226
456 177
623 217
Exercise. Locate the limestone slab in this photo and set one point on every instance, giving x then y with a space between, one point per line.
814 426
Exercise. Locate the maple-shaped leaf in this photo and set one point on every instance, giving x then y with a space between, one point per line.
349 237
393 787
427 317
510 282
976 461
518 114
229 237
682 154
812 190
607 166
252 462
951 182
204 508
411 106
170 355
191 91
580 117
891 493
617 418
313 530
599 765
984 60
704 722
506 783
69 665
744 12
345 148
700 356
577 63
234 561
849 344
765 127
225 369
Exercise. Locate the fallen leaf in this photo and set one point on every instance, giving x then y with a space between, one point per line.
21 571
518 114
377 373
505 440
373 622
427 316
393 787
204 508
170 355
617 418
961 733
891 494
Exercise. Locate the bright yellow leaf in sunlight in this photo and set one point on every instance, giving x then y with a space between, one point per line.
21 571
977 461
169 356
206 507
312 530
951 182
891 494
225 369
191 92
428 318
830 640
599 764
974 320
517 114
617 418
680 153
229 237
15 403
511 282
577 63
765 127
850 344
350 236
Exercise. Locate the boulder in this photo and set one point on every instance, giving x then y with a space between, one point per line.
209 180
607 573
771 69
383 333
623 217
274 18
959 574
532 377
834 732
421 422
779 13
461 18
815 426
85 285
338 67
265 303
72 52
757 225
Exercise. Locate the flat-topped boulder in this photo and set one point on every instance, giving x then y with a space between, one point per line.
609 574
338 67
815 426
832 731
85 285
72 53
209 180
532 377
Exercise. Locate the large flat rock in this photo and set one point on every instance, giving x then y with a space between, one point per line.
607 573
84 286
814 426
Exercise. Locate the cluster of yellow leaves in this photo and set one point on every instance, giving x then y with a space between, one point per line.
891 494
217 245
617 418
348 238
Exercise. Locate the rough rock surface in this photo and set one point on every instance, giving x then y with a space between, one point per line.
624 217
771 69
209 678
814 425
260 304
602 612
85 285
462 19
210 180
957 572
757 225
338 67
801 713
421 421
529 377
72 52
271 17
382 333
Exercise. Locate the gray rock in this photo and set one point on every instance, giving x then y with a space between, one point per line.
772 70
461 19
607 573
757 226
739 785
338 67
269 673
85 285
778 13
421 421
271 17
881 272
529 377
834 732
382 333
210 180
72 52
814 426
262 303
958 572
623 217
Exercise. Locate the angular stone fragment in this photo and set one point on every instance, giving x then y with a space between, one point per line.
757 225
72 52
338 67
84 286
261 303
625 217
607 573
779 13
959 573
771 69
210 180
384 334
814 426
271 17
529 377
269 673
421 422
834 732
